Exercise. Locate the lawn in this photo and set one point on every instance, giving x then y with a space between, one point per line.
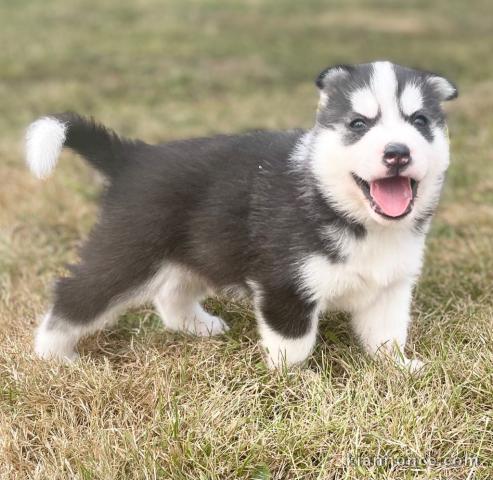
144 403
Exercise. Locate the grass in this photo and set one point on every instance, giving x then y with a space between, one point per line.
145 403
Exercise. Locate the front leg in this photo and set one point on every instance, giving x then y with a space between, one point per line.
382 326
287 324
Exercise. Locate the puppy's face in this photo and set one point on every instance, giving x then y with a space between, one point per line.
380 145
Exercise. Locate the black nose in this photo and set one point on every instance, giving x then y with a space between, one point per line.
396 155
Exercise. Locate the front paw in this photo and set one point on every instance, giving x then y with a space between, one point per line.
412 365
397 358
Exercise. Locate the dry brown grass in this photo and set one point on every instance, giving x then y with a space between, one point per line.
144 403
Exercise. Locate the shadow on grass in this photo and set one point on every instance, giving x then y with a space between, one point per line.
141 330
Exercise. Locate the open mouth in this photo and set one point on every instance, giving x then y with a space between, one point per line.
390 197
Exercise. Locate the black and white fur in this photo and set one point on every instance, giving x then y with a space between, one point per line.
283 215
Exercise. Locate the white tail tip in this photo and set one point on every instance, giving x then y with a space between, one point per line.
44 142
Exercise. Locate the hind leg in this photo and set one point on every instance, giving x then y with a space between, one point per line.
84 304
110 277
57 335
54 340
178 304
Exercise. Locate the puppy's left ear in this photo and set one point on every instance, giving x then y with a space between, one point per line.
444 88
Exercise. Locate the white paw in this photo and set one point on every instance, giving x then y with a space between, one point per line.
54 345
68 356
395 355
205 325
413 365
281 352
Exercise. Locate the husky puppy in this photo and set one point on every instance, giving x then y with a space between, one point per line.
306 221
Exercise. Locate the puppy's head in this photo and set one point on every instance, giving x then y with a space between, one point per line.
380 145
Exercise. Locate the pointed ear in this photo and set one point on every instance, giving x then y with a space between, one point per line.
444 88
330 74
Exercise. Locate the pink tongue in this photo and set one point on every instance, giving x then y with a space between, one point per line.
392 195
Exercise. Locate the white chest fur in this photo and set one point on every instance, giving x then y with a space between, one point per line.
382 258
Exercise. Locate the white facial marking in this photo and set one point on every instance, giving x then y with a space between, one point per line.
411 99
364 157
363 102
384 86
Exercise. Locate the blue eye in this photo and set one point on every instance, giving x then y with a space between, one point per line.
358 124
420 121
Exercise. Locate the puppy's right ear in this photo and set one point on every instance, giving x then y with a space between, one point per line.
330 74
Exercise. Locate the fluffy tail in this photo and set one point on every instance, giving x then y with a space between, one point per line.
101 147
